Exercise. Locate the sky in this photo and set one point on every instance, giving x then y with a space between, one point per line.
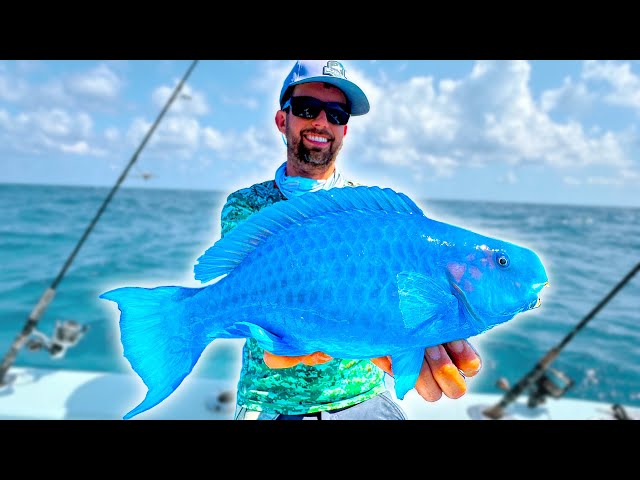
542 131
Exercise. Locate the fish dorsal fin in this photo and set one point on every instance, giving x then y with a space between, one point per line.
228 252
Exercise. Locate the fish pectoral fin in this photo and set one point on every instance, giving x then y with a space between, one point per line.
421 299
406 370
267 340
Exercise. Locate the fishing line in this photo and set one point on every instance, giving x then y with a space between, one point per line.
49 293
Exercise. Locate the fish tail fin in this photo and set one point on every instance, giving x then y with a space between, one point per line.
160 341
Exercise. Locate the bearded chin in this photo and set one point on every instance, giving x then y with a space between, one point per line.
315 158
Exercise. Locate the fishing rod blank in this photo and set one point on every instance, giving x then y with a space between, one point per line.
49 293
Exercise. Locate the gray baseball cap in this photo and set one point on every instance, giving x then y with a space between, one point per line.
328 71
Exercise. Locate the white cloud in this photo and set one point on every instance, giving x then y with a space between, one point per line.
571 98
188 101
42 130
624 83
97 88
12 89
176 138
99 83
486 118
421 128
214 139
79 148
59 123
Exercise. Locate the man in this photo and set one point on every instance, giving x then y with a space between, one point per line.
316 103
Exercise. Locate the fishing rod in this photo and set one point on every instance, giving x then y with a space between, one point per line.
49 293
497 411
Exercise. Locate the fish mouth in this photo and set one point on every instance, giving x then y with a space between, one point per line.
537 288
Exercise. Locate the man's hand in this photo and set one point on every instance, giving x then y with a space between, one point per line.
275 361
444 368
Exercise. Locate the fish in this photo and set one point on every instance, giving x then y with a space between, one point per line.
356 272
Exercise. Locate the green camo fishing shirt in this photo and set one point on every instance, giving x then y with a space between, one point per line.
300 389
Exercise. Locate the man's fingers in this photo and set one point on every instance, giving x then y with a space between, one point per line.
445 372
435 377
316 358
464 357
277 361
426 385
384 363
439 374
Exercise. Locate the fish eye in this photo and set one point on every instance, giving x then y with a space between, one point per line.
502 259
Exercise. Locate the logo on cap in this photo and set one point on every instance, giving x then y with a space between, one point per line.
334 69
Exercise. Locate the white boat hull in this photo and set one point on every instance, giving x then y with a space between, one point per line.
42 394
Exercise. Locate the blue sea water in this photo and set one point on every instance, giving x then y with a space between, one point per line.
151 237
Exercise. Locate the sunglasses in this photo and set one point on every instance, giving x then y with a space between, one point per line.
309 107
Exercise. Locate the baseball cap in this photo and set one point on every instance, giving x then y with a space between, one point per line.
328 71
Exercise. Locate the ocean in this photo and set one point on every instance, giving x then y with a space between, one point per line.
151 237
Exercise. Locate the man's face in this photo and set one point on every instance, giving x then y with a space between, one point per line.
313 144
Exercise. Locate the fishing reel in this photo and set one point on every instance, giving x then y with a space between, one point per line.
66 334
554 385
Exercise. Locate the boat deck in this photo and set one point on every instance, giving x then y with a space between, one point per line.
41 394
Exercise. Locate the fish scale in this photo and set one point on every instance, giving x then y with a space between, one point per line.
337 266
356 273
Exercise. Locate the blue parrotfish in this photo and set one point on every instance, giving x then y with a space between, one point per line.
355 272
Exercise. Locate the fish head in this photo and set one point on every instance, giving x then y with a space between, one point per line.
495 280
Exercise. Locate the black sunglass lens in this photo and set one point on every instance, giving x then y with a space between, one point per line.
308 111
309 107
337 116
305 107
